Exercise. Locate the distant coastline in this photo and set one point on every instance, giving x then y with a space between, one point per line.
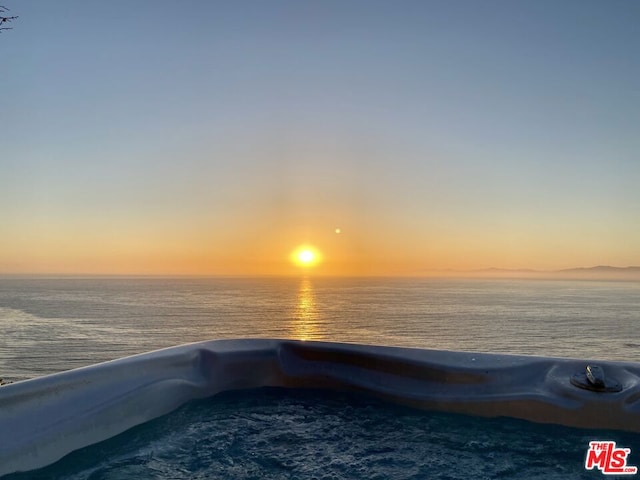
604 272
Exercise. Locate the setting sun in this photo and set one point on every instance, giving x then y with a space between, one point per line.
305 256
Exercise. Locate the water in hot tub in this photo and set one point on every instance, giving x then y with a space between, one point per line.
298 434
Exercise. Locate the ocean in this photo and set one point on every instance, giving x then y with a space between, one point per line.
48 325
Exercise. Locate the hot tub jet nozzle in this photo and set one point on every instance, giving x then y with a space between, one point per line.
593 378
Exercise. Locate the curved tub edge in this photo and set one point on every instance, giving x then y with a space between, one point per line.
46 418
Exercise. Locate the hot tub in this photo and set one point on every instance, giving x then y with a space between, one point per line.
44 419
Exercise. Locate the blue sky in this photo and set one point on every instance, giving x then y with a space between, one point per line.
167 137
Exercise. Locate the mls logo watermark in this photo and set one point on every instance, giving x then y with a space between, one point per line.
609 459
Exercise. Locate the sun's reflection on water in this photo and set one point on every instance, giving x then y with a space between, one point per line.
304 325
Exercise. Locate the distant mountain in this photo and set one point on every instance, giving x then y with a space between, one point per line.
601 271
601 268
508 270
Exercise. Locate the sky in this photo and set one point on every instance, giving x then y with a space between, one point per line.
216 138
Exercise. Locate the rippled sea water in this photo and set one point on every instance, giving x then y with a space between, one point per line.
53 324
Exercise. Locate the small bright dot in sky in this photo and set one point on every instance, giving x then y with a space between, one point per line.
338 230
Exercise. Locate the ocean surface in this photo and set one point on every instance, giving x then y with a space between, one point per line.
49 325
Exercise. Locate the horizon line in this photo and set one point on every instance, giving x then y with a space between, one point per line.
602 270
